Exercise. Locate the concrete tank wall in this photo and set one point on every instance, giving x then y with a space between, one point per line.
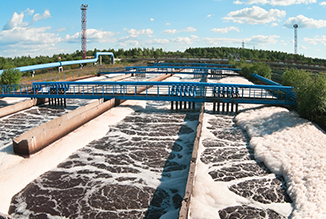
39 137
5 111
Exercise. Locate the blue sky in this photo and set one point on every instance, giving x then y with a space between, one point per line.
42 27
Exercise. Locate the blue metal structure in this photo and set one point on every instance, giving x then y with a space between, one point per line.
267 81
157 91
192 64
143 68
58 64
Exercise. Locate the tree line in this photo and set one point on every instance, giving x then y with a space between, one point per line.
208 52
310 88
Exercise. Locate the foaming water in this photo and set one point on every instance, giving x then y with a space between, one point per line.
139 169
18 123
295 148
229 182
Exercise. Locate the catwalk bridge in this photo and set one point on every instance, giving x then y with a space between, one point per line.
157 91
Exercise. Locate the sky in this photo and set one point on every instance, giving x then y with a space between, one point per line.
39 27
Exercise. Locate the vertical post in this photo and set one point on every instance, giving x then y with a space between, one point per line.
295 26
83 8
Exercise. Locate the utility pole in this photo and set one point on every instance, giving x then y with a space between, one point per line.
295 26
83 9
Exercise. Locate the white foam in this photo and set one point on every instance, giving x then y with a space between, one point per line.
16 172
292 147
22 171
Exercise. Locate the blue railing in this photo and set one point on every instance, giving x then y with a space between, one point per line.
158 91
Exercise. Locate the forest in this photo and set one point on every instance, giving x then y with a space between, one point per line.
208 52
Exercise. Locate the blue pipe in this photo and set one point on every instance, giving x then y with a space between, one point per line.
265 80
58 64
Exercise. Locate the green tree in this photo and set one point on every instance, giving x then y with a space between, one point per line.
10 76
261 69
311 98
310 92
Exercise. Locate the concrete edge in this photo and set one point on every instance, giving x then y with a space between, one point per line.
8 110
184 210
39 137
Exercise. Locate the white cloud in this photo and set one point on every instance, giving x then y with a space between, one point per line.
62 29
135 33
100 36
169 31
93 35
37 17
280 2
15 21
256 40
255 15
189 29
209 15
322 3
185 40
182 40
28 36
274 24
225 29
152 19
158 41
29 11
304 22
218 41
18 37
305 48
167 24
72 39
283 43
237 2
262 40
316 40
173 31
129 42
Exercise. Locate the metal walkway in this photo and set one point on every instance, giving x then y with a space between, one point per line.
157 91
193 70
192 64
144 68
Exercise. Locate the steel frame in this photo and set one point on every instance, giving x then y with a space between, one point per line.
157 91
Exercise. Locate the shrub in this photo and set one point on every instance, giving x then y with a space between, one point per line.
10 76
262 69
310 91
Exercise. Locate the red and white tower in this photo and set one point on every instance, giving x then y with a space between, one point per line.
83 8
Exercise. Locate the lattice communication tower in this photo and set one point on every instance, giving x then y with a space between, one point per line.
295 26
83 9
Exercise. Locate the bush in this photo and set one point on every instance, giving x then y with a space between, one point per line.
310 91
262 69
10 76
311 98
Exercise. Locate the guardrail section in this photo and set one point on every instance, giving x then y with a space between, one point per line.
157 91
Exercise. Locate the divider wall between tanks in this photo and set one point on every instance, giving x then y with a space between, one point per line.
8 110
39 137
